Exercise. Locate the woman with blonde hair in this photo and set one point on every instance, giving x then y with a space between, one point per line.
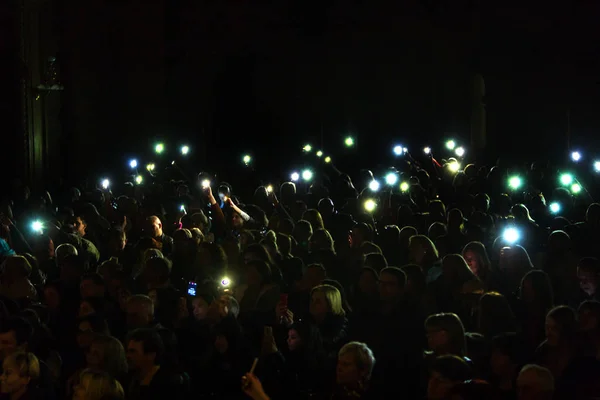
314 217
97 385
327 312
14 279
19 371
422 252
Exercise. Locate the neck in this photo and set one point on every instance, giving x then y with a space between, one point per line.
147 374
18 394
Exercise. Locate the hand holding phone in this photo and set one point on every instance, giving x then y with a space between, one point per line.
191 288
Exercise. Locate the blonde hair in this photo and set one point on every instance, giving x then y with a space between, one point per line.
114 360
365 360
101 385
26 363
450 323
333 298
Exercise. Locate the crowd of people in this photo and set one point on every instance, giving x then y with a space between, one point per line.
337 289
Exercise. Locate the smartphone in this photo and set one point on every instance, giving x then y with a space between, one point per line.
283 299
191 288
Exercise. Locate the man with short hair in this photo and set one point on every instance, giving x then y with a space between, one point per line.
151 380
92 285
140 312
155 231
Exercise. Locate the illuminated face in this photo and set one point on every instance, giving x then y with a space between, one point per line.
293 341
588 281
80 226
200 307
237 221
10 380
472 261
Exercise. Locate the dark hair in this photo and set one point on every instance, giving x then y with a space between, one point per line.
377 261
590 264
263 269
20 326
95 278
415 275
151 342
453 368
97 303
397 273
312 343
161 266
566 318
512 345
542 288
97 323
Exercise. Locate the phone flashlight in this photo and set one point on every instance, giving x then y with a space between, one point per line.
105 184
374 185
391 179
454 166
566 179
460 151
307 148
182 208
270 189
515 183
555 208
133 163
576 156
404 186
398 150
511 235
205 184
370 205
37 226
295 177
225 282
307 175
450 144
185 150
139 179
319 153
327 159
427 150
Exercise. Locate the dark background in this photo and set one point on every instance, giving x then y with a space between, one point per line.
267 76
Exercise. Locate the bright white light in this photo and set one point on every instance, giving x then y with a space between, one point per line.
374 185
270 189
319 153
511 235
391 178
576 156
398 150
295 177
597 166
427 150
133 163
307 148
450 144
182 208
185 150
225 282
139 179
307 175
327 159
247 159
205 184
460 151
37 226
554 208
105 183
150 167
404 186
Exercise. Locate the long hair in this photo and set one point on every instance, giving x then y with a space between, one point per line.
455 329
495 315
